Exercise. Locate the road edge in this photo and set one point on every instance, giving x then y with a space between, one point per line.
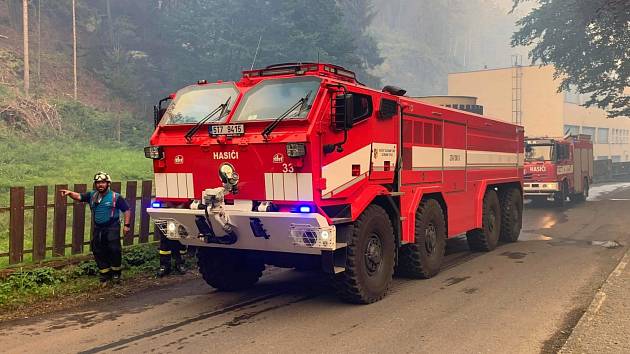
596 303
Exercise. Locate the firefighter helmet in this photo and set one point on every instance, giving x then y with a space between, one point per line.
102 176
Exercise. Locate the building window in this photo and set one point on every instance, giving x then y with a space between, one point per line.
571 129
602 135
602 157
616 158
589 131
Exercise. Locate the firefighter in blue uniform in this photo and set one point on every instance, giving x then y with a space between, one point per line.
106 206
170 249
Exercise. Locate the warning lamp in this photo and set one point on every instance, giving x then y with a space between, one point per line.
202 82
154 152
296 149
356 170
304 209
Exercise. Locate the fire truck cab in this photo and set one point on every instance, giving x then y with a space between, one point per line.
559 168
300 165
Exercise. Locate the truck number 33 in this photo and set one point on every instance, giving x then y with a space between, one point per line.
287 168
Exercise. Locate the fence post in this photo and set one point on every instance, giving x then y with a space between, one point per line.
40 222
78 221
130 196
59 223
144 216
16 225
116 187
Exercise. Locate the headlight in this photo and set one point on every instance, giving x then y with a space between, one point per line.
296 149
153 152
171 229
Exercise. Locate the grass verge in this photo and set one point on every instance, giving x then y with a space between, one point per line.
29 291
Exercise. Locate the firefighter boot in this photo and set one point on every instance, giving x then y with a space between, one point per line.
105 277
180 268
116 276
163 271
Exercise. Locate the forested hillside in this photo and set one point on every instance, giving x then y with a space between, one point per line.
131 53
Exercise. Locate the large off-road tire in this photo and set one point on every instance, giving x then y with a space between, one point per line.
423 258
369 258
226 270
487 238
511 214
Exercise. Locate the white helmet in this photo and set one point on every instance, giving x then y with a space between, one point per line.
102 176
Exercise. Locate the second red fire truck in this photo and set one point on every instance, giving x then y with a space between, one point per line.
558 168
300 165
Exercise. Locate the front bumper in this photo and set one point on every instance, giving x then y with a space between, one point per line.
540 188
307 233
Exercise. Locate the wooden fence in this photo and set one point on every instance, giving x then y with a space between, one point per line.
77 228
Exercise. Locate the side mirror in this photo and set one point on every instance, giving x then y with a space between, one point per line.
158 113
156 116
344 112
158 110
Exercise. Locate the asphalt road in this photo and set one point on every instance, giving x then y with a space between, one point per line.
523 297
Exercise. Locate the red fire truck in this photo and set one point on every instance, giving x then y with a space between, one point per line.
300 165
558 168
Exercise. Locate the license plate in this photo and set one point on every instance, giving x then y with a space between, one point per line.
227 129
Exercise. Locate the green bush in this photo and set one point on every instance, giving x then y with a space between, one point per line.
24 285
35 282
85 268
89 124
140 255
29 279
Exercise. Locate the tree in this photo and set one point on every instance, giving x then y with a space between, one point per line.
74 49
423 41
25 36
588 43
216 39
357 18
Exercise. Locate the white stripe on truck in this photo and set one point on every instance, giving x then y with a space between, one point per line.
174 185
289 186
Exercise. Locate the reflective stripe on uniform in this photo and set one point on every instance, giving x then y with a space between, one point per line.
182 251
104 270
116 268
165 252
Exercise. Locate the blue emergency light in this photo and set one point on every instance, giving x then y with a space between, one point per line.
304 209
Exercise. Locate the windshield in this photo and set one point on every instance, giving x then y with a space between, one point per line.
270 99
538 152
193 103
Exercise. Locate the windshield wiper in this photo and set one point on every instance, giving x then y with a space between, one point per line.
220 108
300 103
